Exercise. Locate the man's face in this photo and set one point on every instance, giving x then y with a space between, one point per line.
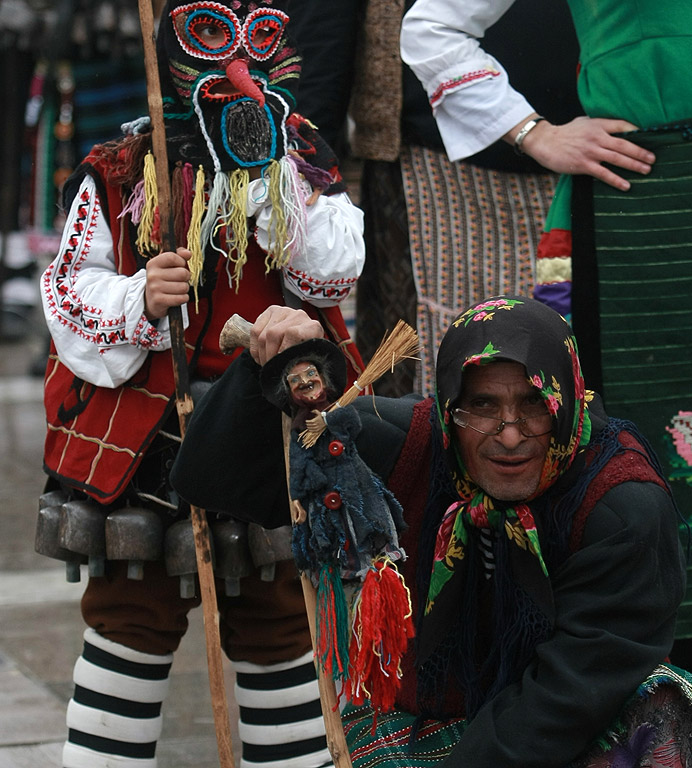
306 385
507 466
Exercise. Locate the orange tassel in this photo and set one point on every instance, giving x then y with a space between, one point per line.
382 626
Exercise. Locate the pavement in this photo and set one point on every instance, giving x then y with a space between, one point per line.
40 624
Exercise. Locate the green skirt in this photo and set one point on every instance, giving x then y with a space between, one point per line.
632 308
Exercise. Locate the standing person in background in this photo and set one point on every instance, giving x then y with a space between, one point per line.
261 218
438 234
615 254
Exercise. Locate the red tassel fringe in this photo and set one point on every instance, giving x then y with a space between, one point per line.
382 626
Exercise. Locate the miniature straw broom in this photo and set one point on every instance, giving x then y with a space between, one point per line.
401 344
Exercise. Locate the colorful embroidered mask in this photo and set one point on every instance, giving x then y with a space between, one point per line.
231 67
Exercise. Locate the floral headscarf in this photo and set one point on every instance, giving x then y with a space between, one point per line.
506 329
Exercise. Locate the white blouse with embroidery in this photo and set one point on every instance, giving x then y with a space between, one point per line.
96 316
469 90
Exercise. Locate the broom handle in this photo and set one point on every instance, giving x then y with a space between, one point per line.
183 398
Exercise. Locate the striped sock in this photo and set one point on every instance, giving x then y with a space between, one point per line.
114 716
281 722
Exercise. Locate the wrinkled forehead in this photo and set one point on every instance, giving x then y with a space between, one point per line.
483 378
502 371
302 365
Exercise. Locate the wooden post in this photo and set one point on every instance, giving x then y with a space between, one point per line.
184 403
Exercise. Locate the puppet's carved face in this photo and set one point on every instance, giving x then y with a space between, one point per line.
306 385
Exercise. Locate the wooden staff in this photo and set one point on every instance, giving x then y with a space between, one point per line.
183 398
236 333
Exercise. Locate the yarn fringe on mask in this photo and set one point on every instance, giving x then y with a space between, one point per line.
148 234
291 200
212 213
135 204
194 232
182 190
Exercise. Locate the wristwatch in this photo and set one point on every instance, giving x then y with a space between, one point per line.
529 125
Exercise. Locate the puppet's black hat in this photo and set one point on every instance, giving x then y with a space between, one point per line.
326 356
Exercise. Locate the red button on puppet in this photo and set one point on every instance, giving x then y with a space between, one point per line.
336 447
332 500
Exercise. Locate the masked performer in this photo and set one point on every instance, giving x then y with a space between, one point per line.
262 218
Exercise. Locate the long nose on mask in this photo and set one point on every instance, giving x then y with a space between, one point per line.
239 76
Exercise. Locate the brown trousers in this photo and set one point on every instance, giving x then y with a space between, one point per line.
266 624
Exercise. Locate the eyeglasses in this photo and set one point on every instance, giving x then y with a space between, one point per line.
303 377
532 425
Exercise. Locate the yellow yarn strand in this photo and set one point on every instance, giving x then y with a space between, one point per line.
194 240
145 244
277 253
239 181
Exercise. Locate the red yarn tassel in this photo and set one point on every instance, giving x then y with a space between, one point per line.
382 626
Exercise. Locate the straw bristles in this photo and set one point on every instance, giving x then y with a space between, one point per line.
401 344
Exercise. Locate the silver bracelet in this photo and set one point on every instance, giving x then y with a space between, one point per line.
523 132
